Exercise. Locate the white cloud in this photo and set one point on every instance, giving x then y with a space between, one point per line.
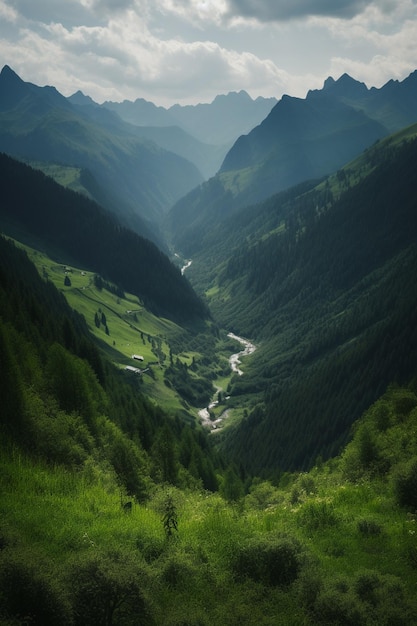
380 43
190 50
7 13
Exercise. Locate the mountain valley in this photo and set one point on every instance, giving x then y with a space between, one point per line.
136 257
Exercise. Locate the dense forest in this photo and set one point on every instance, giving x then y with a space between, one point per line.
324 280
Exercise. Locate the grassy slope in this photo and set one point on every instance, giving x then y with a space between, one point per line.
125 328
66 176
359 547
134 330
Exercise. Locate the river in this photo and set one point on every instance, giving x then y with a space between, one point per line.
185 267
234 361
235 358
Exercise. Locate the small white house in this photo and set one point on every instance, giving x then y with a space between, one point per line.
137 357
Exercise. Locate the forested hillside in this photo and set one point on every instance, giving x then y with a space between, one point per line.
324 282
75 229
64 403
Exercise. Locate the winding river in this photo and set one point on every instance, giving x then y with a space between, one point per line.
234 361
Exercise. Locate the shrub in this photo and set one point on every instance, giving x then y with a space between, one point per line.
273 561
29 594
405 485
369 528
151 548
366 586
335 608
309 586
317 515
107 590
383 598
178 571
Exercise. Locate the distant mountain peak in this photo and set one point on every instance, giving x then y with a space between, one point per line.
241 95
329 82
344 87
12 88
7 74
7 71
81 99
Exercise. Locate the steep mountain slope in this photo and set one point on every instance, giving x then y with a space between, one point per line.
303 139
39 124
299 140
75 229
324 281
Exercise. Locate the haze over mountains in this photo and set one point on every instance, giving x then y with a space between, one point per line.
135 178
216 125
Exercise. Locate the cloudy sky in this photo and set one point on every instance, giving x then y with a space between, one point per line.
189 51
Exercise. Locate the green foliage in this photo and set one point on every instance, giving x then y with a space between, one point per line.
405 484
170 518
271 560
231 487
195 390
328 546
335 608
74 384
369 528
317 515
62 404
263 495
29 594
378 443
11 387
108 590
369 599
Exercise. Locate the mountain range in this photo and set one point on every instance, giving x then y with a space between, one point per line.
300 139
219 122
